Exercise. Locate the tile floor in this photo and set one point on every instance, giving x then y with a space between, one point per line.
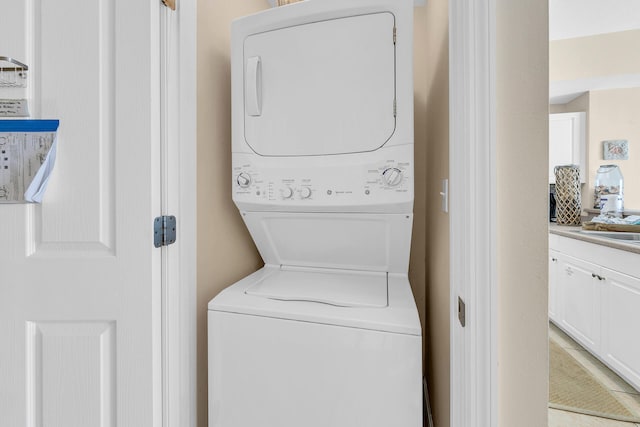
617 385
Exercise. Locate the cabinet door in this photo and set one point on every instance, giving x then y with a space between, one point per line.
554 286
620 320
567 142
581 290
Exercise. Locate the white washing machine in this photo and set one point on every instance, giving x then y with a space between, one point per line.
327 332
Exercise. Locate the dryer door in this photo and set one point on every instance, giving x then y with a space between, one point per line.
321 88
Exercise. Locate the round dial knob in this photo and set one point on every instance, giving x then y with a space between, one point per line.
243 179
392 176
305 192
287 192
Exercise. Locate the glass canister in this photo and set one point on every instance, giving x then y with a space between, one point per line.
568 198
609 196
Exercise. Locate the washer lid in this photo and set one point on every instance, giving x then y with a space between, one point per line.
341 288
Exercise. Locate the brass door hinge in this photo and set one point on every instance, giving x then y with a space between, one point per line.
171 4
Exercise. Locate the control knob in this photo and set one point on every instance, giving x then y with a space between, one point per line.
305 192
392 176
287 193
243 179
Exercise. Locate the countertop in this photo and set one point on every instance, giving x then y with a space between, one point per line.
573 232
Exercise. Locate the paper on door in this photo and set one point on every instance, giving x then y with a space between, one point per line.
27 157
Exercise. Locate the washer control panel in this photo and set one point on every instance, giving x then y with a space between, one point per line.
387 181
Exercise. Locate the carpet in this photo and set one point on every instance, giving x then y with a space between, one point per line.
572 388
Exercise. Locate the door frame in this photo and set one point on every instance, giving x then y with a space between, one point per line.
177 114
472 154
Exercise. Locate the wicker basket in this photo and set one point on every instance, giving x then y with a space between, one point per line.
568 199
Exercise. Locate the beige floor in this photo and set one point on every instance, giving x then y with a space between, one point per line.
624 391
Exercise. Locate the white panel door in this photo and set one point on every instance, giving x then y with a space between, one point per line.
581 293
620 320
554 288
80 277
567 142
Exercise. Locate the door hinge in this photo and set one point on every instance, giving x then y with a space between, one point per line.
462 312
164 230
394 35
171 4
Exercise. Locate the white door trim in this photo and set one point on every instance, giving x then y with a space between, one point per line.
472 212
178 146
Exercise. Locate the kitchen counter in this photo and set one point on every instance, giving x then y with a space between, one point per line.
574 232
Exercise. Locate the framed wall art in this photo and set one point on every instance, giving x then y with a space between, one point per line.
616 149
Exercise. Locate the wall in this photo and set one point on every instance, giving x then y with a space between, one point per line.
225 250
594 56
522 217
436 45
609 112
615 114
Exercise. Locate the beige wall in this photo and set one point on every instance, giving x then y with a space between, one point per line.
435 36
225 250
611 114
418 245
615 114
522 218
595 56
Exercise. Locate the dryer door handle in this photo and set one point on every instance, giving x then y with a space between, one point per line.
253 86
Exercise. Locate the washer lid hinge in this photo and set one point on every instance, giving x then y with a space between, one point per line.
164 230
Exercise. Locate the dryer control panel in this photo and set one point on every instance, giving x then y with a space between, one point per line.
319 183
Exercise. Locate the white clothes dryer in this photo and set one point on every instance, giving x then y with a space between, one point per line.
327 332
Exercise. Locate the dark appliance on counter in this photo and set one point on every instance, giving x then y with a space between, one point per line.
552 203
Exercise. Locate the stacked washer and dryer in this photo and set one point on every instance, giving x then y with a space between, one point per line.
327 332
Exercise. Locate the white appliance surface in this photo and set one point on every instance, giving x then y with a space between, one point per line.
328 286
323 77
374 242
398 316
272 372
327 332
296 73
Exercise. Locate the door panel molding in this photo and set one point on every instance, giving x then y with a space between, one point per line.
70 362
87 116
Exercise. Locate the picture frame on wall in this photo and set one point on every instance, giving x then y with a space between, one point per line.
616 149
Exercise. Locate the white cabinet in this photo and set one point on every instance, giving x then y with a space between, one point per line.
554 269
594 296
620 314
567 142
580 295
